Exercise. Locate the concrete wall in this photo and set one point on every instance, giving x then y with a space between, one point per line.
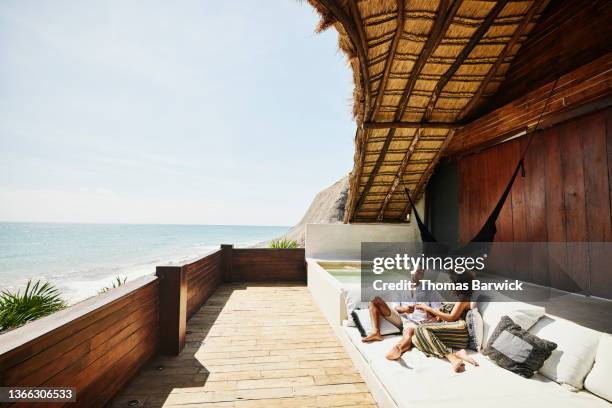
343 241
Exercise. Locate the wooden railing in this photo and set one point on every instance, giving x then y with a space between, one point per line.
268 265
97 345
203 277
94 346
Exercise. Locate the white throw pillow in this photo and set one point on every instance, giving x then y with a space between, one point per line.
574 356
475 326
364 323
523 314
352 300
598 380
526 318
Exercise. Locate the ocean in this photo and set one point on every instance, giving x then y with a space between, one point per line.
80 259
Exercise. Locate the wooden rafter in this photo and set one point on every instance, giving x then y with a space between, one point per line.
363 41
442 22
411 125
444 79
399 174
465 52
427 174
359 158
356 34
577 93
362 135
536 7
389 61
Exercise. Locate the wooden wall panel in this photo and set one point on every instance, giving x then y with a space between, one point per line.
565 197
574 200
535 207
96 345
268 265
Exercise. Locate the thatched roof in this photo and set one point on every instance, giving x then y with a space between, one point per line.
420 67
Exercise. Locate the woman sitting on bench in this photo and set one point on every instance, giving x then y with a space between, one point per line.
438 338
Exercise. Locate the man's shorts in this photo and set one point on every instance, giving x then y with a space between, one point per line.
399 321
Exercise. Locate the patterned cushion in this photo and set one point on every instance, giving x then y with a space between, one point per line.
475 327
517 350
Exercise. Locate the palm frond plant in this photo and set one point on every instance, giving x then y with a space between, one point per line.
39 299
119 281
283 243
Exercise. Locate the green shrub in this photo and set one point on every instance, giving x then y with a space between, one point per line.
283 243
37 300
119 281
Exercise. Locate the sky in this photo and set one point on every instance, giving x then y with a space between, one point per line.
190 112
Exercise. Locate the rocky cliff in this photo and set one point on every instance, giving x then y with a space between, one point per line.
326 208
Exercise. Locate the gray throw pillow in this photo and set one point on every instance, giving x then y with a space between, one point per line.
517 350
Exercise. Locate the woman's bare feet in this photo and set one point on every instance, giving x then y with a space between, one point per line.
456 362
373 337
462 354
395 353
458 366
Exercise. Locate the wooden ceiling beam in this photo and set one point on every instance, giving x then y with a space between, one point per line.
536 8
411 125
418 190
444 79
399 174
441 24
357 37
465 52
389 61
361 136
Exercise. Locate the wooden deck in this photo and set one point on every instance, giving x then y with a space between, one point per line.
260 345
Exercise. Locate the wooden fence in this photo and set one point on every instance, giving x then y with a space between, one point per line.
266 265
97 345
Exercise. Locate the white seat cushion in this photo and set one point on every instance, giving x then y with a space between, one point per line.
420 382
523 314
370 350
430 383
573 358
598 380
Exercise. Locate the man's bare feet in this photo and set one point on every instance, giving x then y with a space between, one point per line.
462 354
373 337
395 353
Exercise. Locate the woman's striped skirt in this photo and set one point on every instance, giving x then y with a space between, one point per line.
438 339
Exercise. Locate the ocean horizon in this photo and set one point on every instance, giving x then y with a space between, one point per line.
82 258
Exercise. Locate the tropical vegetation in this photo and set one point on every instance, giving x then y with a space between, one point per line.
283 243
37 300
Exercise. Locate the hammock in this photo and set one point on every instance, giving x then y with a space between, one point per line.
488 230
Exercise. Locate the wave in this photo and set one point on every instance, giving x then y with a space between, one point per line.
79 283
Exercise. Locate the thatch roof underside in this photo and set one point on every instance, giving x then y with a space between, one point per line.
420 67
